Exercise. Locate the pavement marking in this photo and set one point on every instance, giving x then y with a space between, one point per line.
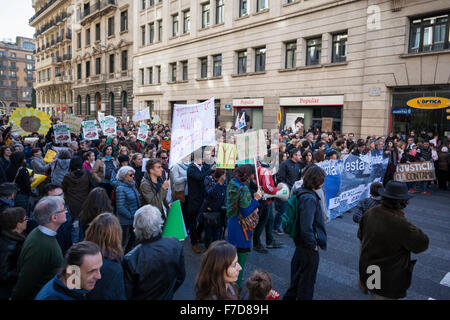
446 280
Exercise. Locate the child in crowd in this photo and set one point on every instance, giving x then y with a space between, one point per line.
259 286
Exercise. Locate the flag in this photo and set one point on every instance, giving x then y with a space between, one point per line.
236 123
242 123
174 226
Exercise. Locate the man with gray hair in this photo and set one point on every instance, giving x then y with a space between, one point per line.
41 255
154 269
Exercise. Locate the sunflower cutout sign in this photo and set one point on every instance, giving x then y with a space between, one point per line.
29 120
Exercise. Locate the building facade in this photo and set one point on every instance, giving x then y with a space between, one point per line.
54 80
102 57
16 74
353 61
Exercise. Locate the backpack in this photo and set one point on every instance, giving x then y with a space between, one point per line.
109 169
291 218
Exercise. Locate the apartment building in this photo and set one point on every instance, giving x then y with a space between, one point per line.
16 74
357 62
53 37
102 57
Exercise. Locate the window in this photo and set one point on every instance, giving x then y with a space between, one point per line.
98 65
111 103
150 75
78 71
314 48
79 104
217 65
152 32
339 47
29 66
13 65
88 104
185 70
219 11
88 37
29 57
242 8
174 25
79 40
13 55
142 76
111 63
187 21
110 26
158 74
261 5
160 30
429 34
260 59
143 35
97 32
173 72
88 69
205 15
124 60
124 21
144 2
242 62
291 54
204 67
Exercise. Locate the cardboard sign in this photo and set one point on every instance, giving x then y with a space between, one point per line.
49 156
109 126
226 156
62 133
416 171
74 123
165 144
143 132
327 124
90 131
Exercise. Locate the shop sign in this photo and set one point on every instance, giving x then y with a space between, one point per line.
401 111
228 107
429 103
312 101
258 102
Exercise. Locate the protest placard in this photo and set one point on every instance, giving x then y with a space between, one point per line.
74 123
90 129
109 126
226 156
246 144
142 115
49 156
192 128
327 124
416 171
174 226
143 132
62 133
165 144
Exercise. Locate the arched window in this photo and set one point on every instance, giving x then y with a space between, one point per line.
88 104
111 103
124 99
79 110
98 101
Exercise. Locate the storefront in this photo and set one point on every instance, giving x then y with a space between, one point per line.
421 108
311 110
253 108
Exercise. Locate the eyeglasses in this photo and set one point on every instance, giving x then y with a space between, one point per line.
164 158
131 175
61 211
25 219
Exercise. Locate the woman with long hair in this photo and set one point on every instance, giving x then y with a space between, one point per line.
219 270
136 164
105 231
5 153
241 205
96 203
89 160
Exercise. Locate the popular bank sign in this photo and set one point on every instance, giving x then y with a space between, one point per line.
429 103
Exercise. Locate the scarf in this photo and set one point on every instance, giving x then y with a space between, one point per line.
184 165
156 185
234 197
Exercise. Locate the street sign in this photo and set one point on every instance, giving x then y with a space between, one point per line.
228 107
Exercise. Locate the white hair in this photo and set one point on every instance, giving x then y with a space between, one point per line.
444 149
123 171
147 222
46 208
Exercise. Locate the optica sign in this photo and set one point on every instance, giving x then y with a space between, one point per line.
429 103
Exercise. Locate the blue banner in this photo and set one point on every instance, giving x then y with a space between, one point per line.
348 181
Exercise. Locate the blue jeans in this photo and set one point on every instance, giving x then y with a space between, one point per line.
280 208
423 185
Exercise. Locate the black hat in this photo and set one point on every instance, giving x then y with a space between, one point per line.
395 190
7 189
360 144
123 158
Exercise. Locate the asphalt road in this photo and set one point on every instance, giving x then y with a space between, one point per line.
338 267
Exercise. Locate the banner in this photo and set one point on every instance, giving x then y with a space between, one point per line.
226 156
251 145
143 132
142 115
416 171
109 126
348 181
28 120
192 128
62 133
74 123
174 226
90 130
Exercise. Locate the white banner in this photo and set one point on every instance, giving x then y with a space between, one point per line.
142 115
62 133
192 128
90 130
143 132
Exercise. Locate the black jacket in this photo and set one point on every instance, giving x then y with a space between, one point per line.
22 180
362 207
154 269
196 185
289 172
10 245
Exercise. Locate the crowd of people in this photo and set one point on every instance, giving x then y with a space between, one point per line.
93 228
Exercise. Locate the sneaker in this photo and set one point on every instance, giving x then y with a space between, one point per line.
426 192
275 244
259 248
196 248
412 190
279 232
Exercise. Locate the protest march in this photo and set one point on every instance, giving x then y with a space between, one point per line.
130 195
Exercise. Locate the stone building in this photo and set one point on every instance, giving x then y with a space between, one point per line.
16 74
53 37
355 61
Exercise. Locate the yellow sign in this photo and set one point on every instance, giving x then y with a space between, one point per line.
49 156
37 179
429 103
226 156
29 120
279 117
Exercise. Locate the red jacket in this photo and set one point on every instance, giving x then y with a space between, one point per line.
266 181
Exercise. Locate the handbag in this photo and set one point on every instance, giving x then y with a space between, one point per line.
212 218
250 222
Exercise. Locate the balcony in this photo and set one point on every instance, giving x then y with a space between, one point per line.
59 59
45 63
42 10
11 68
100 8
64 79
67 57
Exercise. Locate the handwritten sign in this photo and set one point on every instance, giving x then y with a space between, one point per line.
165 144
327 124
416 171
142 115
74 123
226 156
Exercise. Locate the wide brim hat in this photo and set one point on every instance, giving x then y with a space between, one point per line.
8 188
395 190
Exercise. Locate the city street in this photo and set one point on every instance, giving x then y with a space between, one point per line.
338 268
